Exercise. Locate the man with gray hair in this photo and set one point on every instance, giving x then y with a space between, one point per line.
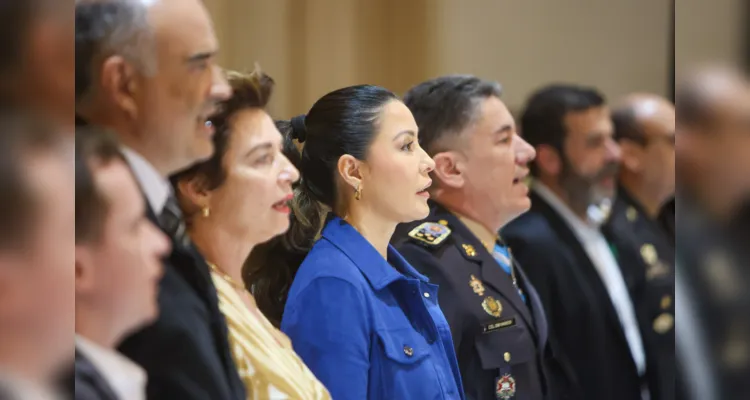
497 321
146 69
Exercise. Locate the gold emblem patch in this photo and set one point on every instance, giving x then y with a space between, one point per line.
663 323
648 252
476 286
492 306
631 214
430 233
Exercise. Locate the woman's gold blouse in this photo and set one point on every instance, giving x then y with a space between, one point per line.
267 363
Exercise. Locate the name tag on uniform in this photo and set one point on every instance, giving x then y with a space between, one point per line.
493 326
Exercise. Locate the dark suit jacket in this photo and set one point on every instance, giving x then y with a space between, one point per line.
89 383
713 264
488 347
646 257
585 330
186 351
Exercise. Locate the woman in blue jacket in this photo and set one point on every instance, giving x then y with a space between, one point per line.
362 319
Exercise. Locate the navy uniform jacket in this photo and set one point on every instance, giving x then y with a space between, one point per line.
646 257
584 329
492 342
186 352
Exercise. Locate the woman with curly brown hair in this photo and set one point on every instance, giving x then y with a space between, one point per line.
231 202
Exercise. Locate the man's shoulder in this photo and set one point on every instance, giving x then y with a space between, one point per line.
531 226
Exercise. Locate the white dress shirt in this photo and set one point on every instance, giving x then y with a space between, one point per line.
127 379
156 187
600 254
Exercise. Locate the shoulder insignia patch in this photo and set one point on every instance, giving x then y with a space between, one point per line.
430 233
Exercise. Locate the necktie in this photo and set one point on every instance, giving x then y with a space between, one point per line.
172 223
502 256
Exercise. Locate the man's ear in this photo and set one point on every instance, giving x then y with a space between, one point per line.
632 154
548 160
85 271
351 171
119 81
449 167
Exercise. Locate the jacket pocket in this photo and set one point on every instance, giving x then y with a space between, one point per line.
403 346
505 348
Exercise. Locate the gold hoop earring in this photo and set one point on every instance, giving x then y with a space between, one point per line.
358 193
206 212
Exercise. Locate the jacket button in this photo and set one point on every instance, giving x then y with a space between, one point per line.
506 356
408 351
426 295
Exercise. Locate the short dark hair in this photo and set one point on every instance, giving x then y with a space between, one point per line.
627 126
95 147
16 18
446 106
22 136
248 91
543 118
342 122
106 27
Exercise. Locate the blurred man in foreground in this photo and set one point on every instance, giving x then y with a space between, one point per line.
36 256
713 255
118 266
37 64
645 130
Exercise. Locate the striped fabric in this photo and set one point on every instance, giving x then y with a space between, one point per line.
267 364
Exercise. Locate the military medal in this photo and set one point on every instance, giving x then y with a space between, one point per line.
505 388
476 286
648 252
492 306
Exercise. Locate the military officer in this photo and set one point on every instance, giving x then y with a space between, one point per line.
644 126
497 322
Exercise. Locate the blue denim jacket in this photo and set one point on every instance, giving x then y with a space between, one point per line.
369 328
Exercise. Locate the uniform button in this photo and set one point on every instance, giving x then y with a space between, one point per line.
408 351
427 295
506 356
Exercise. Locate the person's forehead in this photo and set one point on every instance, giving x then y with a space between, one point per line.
182 27
585 121
249 128
394 118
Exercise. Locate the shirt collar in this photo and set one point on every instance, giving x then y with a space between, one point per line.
379 272
127 379
154 185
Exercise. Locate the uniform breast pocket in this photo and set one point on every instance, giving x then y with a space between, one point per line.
405 360
509 356
504 347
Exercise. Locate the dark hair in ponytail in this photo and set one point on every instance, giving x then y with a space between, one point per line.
342 122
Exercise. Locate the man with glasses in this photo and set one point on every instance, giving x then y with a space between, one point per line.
644 127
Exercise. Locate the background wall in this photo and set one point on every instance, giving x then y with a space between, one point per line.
311 47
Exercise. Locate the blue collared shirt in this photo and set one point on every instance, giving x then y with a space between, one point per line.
369 328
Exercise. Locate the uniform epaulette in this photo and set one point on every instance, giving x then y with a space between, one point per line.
430 234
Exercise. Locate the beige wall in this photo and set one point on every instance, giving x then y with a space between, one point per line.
708 30
313 46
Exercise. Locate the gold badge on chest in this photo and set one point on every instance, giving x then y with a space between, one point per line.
492 306
476 286
655 267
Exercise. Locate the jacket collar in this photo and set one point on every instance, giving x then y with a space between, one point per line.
379 272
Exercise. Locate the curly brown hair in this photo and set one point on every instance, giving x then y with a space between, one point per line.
249 91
